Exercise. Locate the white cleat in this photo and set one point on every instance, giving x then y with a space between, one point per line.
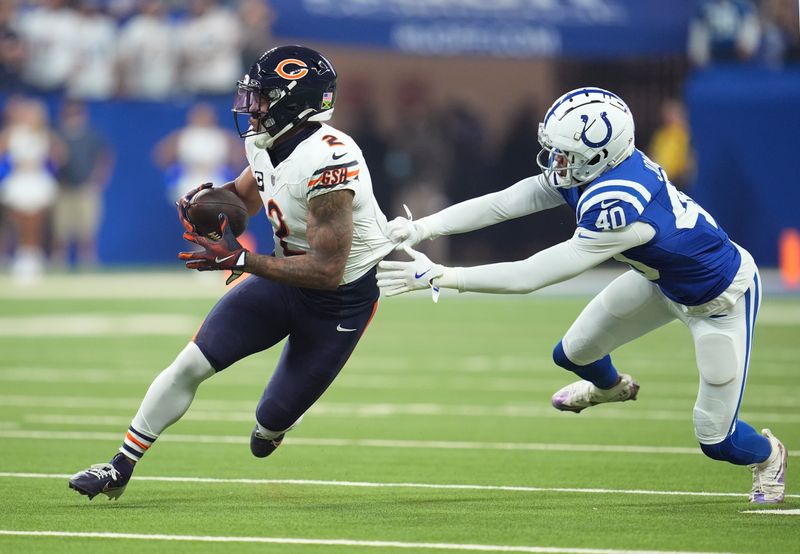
583 394
769 477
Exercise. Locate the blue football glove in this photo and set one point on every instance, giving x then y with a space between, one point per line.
225 253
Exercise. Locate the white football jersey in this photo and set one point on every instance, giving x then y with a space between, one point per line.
326 161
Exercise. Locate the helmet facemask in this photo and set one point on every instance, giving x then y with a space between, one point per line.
251 108
570 169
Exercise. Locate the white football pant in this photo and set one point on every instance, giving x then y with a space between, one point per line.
631 306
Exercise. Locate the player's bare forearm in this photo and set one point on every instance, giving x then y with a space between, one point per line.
246 187
330 234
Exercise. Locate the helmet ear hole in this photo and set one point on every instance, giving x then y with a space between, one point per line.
602 155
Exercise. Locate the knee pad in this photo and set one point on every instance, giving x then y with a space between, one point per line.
716 359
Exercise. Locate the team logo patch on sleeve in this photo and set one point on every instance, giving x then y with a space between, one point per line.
333 175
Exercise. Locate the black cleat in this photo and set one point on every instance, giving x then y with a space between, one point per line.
102 479
261 447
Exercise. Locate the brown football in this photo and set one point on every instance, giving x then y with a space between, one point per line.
205 207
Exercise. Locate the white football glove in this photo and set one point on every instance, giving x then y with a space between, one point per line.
403 230
420 273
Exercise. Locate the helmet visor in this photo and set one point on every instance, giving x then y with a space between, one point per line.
250 110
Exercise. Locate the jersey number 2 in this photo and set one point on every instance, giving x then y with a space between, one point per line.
276 214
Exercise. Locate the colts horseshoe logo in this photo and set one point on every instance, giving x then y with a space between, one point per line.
604 141
295 74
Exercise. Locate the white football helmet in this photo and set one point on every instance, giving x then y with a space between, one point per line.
584 133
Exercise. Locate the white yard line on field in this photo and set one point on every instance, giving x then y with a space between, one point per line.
373 410
377 485
341 542
773 512
94 325
240 410
784 396
49 435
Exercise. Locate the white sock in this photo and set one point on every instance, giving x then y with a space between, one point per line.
167 399
265 433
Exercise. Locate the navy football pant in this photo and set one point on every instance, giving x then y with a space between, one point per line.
323 328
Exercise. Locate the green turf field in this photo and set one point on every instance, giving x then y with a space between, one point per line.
437 435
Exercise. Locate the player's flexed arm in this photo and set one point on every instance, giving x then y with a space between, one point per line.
330 233
563 261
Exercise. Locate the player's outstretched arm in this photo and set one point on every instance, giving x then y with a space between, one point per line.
525 197
584 250
330 234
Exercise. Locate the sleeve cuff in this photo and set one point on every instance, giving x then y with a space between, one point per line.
452 278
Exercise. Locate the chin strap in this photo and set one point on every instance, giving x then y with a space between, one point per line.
266 141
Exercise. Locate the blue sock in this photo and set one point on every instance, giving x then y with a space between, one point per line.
743 447
601 373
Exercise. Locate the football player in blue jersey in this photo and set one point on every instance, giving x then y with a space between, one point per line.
683 266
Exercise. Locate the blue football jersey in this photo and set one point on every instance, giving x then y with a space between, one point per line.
690 258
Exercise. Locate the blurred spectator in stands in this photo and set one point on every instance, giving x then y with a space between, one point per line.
781 33
29 189
419 159
123 10
148 54
723 31
468 171
50 34
356 100
93 73
670 146
210 42
255 29
516 159
12 50
465 136
200 152
81 181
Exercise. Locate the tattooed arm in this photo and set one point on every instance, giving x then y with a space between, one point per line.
330 234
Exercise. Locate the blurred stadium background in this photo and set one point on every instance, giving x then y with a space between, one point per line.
444 97
439 429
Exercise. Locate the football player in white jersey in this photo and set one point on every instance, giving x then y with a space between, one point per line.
683 266
318 288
